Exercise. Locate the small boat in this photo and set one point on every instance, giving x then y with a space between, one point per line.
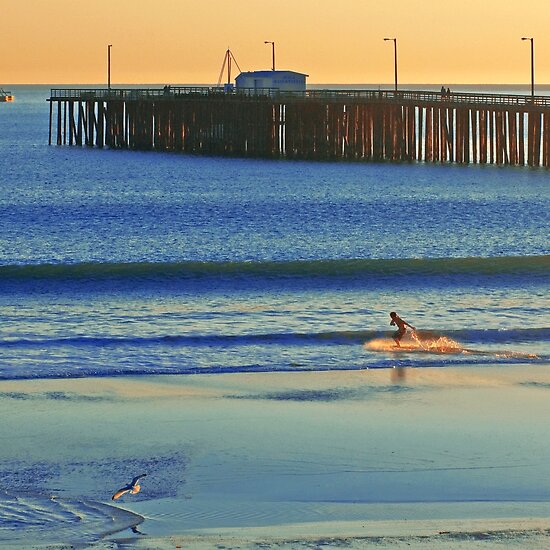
6 96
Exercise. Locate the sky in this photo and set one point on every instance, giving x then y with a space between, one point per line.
333 41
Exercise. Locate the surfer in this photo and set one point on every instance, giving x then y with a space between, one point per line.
401 327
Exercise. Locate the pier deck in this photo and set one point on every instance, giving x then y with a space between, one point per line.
367 125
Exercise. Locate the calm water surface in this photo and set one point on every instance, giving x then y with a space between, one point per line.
116 262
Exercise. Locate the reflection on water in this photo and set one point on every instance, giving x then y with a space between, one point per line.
398 374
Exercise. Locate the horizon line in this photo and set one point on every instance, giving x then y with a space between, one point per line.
373 84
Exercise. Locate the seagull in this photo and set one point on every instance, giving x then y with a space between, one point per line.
133 487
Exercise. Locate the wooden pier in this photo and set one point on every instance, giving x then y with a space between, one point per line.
366 125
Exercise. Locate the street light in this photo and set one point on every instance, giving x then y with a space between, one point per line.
272 52
109 46
394 58
532 64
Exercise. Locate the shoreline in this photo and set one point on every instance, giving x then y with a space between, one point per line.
510 533
426 457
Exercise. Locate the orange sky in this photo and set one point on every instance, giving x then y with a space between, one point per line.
334 41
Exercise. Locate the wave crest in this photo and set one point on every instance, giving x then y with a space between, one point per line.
446 340
354 268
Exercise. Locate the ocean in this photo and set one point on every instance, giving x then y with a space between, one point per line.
120 263
117 265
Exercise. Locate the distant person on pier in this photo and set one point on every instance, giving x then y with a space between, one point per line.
401 327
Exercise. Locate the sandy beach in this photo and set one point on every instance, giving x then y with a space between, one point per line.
447 458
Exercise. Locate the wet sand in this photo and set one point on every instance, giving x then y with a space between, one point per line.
447 458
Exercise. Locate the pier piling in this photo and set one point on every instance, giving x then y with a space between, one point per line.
316 125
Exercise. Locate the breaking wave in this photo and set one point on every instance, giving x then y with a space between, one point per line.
353 268
447 339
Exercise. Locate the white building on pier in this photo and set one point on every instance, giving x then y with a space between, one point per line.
283 81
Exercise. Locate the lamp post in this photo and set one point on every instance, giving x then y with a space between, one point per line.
394 58
272 53
532 64
109 46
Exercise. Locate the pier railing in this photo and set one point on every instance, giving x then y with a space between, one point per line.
408 96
